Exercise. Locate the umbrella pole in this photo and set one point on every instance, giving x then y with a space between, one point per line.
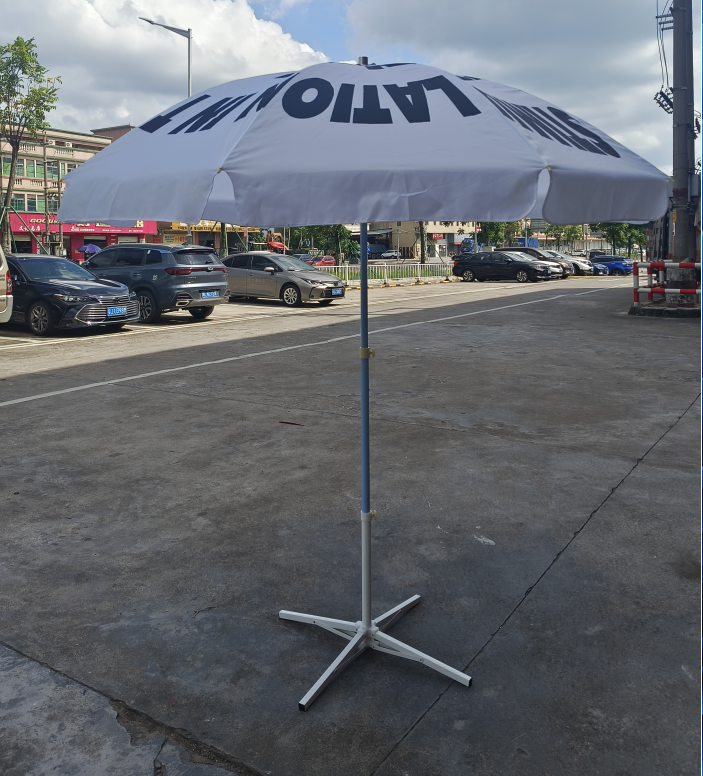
366 515
366 633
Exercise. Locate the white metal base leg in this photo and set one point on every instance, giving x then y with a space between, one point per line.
361 639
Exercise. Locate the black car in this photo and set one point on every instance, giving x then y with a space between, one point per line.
54 293
499 266
540 255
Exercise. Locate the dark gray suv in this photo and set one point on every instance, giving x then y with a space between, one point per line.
165 277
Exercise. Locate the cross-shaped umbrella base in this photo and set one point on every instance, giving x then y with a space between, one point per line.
360 639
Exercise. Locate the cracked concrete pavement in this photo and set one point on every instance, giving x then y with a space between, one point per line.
536 473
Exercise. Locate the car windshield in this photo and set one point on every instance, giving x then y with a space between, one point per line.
54 269
195 258
522 256
291 264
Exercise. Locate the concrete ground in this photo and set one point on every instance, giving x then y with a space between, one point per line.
167 490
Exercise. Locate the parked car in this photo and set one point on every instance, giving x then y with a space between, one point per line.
54 293
165 277
616 265
542 255
552 263
500 266
322 261
390 255
272 276
600 269
6 298
593 254
581 266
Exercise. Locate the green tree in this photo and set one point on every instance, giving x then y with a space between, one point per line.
572 233
332 239
27 94
511 230
557 232
491 232
635 235
615 234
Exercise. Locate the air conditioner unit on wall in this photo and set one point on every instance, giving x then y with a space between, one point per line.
51 142
68 144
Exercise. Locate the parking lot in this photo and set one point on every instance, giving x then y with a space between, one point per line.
167 489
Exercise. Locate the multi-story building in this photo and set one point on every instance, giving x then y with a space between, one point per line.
42 166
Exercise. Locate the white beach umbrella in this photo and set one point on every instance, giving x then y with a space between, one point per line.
341 143
338 143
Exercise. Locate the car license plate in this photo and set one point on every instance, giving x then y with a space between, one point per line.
208 294
336 292
112 311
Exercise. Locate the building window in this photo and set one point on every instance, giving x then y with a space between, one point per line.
30 168
66 167
7 163
38 169
52 170
17 202
35 203
53 203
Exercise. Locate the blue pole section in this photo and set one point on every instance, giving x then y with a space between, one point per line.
365 456
365 464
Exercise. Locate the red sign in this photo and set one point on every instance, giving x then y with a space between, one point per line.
35 222
438 236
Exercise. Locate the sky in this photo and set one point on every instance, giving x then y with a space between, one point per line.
599 61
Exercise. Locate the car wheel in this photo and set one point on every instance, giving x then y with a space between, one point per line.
565 276
148 309
200 312
522 276
290 296
468 276
617 272
40 319
325 302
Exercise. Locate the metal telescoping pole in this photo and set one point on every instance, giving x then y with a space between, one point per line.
365 451
189 234
190 40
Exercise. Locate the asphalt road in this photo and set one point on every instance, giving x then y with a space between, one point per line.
168 489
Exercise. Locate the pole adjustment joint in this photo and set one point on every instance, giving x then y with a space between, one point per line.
367 353
367 517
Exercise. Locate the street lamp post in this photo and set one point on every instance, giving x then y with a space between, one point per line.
189 35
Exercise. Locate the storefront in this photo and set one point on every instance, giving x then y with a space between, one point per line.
29 228
206 233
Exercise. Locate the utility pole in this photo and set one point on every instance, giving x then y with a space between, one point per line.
423 242
46 200
683 236
223 240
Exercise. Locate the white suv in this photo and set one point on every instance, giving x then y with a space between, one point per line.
5 290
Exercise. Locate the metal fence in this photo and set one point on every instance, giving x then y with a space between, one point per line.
387 273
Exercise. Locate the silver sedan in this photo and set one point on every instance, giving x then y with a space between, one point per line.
273 276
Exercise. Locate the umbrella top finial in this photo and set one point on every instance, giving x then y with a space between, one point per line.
362 61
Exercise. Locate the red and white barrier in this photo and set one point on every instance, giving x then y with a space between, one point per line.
660 268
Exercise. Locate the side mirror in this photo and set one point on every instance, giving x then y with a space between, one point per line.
269 269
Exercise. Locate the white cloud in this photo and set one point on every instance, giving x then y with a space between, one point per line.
597 60
117 69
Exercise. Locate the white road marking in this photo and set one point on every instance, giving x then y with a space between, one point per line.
229 359
17 344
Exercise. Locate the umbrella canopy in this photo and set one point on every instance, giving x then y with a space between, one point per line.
343 143
89 249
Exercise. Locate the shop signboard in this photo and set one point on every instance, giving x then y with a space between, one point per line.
36 222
